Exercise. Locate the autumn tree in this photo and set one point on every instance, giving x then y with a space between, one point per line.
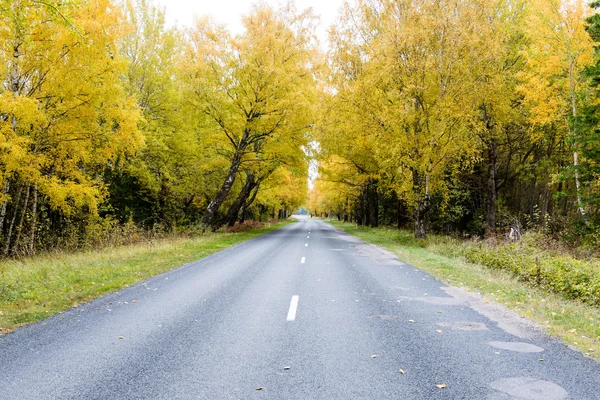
168 175
252 90
64 112
553 84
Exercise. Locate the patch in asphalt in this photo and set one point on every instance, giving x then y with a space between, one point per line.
377 254
438 301
464 326
517 346
507 320
386 317
526 388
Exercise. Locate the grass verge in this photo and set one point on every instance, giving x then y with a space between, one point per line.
34 289
575 323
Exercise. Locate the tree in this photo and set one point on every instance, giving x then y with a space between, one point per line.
252 90
65 114
553 84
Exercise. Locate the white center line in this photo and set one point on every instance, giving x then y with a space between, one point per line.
308 237
305 244
303 259
293 307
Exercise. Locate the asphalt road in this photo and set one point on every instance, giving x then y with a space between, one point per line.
305 312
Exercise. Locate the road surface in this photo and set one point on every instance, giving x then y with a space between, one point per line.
305 312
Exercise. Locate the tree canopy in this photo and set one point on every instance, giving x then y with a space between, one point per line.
459 116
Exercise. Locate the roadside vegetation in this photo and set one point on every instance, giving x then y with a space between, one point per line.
32 289
563 301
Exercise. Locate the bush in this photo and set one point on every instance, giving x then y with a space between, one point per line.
563 274
244 226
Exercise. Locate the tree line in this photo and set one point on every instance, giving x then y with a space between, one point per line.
463 116
109 116
456 116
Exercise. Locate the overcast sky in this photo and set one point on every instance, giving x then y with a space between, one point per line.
229 12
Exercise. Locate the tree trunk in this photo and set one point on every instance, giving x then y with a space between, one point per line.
249 202
21 220
398 211
375 207
420 232
4 205
234 210
578 183
490 215
33 221
420 207
574 131
213 206
12 222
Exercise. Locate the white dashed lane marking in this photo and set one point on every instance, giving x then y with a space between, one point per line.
293 307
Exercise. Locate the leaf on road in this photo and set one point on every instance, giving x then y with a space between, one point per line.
260 388
438 330
134 301
374 356
287 367
411 320
402 371
121 337
441 386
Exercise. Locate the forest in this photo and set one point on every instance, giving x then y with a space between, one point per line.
467 117
110 119
472 118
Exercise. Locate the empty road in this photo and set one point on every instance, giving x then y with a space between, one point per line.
304 312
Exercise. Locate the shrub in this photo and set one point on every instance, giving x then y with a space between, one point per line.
563 274
245 226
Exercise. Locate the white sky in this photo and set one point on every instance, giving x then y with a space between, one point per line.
229 12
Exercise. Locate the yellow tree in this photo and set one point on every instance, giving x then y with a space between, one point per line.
170 169
496 48
64 112
412 89
553 84
251 90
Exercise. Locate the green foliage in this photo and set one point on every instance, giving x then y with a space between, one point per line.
573 278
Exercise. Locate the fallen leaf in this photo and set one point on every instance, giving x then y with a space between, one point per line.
134 301
287 367
438 330
121 337
402 371
374 356
260 388
441 386
411 320
573 330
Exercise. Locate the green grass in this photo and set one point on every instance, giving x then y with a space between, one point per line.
36 288
572 321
